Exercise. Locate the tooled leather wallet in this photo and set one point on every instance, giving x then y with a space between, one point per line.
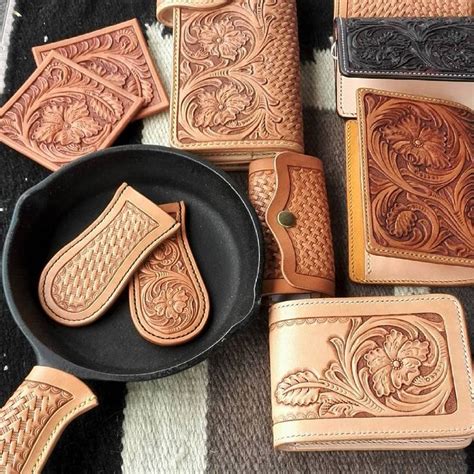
289 195
236 84
432 56
410 191
370 373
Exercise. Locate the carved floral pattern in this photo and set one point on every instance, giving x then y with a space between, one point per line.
390 366
420 172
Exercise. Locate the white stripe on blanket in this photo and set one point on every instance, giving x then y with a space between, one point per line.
5 41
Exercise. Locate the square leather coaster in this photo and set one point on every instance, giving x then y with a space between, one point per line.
63 112
119 54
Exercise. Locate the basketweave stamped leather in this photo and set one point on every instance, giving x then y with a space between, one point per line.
370 373
395 8
84 278
64 111
227 101
168 299
119 54
409 191
298 250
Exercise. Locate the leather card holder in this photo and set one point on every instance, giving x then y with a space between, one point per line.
227 101
289 195
374 373
86 276
410 190
168 299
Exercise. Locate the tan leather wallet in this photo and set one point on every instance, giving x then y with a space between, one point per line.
410 191
371 373
236 84
289 195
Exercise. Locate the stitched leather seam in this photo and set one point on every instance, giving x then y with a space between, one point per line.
197 324
440 441
391 73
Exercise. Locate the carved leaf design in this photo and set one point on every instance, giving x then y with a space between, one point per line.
106 106
300 389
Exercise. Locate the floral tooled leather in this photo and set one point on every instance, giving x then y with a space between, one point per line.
169 302
419 172
419 48
119 54
226 93
64 112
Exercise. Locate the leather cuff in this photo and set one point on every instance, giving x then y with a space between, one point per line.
289 195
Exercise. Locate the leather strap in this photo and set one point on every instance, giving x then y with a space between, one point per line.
164 8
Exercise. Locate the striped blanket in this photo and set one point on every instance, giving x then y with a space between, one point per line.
215 417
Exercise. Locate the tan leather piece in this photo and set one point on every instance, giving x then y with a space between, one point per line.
169 302
299 258
64 111
371 373
227 102
34 417
85 277
395 8
346 90
165 8
420 263
119 54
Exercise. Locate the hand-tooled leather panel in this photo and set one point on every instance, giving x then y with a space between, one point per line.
23 418
370 366
84 277
416 8
311 237
239 78
408 47
261 190
420 178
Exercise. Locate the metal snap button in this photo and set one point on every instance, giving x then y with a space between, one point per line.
286 219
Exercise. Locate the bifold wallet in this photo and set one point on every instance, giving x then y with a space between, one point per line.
236 85
289 195
431 56
370 374
410 191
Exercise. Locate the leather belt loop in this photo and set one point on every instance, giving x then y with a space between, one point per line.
165 8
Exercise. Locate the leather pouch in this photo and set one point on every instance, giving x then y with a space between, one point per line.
169 302
85 277
289 194
410 191
236 85
431 56
370 374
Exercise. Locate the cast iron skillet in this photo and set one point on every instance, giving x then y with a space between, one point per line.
224 235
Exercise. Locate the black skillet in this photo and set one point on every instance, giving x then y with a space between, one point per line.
224 235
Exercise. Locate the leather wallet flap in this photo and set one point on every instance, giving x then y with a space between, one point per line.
415 48
298 217
417 174
165 8
377 370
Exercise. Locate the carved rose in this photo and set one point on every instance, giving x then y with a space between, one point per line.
396 363
400 221
220 106
222 39
66 124
171 303
417 143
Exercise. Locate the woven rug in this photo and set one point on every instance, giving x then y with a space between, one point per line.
216 416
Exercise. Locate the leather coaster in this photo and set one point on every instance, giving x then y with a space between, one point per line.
84 278
119 54
169 302
63 112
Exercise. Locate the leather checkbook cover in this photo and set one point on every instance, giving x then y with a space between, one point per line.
169 302
289 194
236 85
410 176
85 277
370 373
429 56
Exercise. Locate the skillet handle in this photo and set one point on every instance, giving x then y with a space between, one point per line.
35 416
